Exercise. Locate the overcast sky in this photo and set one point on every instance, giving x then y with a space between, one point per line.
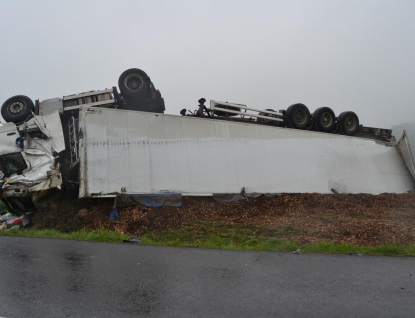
349 55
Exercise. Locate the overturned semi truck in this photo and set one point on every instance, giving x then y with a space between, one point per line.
106 143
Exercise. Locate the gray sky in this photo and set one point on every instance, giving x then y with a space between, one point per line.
349 55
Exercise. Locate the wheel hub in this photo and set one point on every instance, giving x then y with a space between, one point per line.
133 82
350 123
326 119
17 107
300 116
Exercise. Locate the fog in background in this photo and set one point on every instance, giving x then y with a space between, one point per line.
349 55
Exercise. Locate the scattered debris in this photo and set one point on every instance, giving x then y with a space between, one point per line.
18 220
6 216
26 221
10 221
133 240
359 255
114 217
298 251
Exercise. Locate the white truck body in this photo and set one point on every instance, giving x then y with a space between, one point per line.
41 179
124 151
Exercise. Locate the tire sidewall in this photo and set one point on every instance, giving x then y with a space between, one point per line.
291 111
127 92
20 116
317 117
342 122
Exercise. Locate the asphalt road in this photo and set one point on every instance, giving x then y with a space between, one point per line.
58 278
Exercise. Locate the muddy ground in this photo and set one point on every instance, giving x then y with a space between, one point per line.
350 218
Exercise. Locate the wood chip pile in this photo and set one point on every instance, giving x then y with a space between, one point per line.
350 218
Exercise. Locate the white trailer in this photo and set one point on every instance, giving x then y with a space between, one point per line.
146 153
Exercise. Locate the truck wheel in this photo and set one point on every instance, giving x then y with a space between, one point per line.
299 116
325 119
17 108
349 123
133 82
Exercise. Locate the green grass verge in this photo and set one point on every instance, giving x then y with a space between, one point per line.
225 236
97 236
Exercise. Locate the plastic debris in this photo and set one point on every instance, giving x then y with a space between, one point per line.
298 251
148 199
6 216
18 220
15 227
133 240
26 221
359 255
20 142
10 220
114 217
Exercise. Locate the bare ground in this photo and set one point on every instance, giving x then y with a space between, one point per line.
350 218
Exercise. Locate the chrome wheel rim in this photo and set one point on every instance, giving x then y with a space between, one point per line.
17 107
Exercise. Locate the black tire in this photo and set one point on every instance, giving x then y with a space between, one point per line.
17 108
133 83
298 116
325 119
349 123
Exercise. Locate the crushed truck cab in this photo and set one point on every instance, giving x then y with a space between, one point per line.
30 174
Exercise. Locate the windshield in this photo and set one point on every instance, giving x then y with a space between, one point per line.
11 164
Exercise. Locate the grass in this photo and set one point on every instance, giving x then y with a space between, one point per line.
224 236
97 236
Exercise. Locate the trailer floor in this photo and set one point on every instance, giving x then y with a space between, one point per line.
344 218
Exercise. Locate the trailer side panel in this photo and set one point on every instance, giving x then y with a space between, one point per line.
137 152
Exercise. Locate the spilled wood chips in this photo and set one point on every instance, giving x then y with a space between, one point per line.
350 218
